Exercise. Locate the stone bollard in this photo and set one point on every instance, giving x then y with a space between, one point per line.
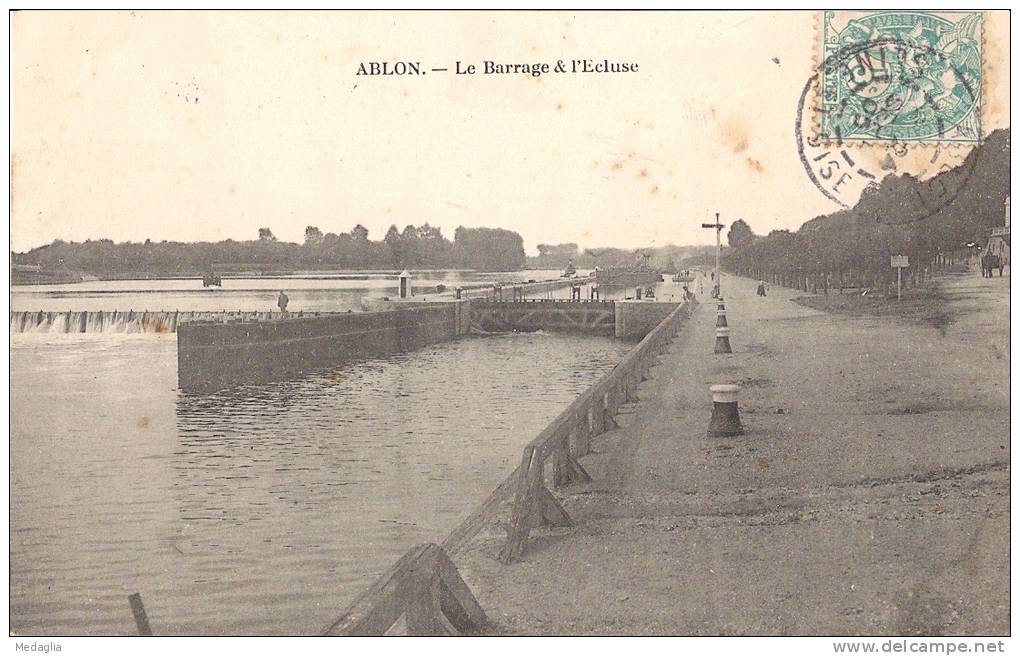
720 319
725 421
722 340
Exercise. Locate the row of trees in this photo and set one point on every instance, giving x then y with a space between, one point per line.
931 222
423 246
664 258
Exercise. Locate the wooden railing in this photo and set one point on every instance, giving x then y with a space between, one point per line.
568 437
425 586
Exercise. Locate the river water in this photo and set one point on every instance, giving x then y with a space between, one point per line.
263 509
325 293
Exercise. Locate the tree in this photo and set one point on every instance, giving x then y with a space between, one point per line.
392 241
313 235
410 248
359 233
489 249
265 234
740 234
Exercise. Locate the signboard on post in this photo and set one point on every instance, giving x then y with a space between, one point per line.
899 262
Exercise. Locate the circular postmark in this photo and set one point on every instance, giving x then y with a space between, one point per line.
867 126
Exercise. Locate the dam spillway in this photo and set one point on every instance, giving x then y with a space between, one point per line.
98 321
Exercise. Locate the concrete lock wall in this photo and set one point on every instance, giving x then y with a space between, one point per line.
462 308
212 356
635 319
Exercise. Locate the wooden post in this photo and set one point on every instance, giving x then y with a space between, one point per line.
138 610
599 416
424 615
426 588
455 598
582 444
529 479
630 388
534 504
566 468
609 412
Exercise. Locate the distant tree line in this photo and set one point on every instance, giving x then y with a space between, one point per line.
664 258
931 222
488 249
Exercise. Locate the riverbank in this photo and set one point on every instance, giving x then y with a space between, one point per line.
870 494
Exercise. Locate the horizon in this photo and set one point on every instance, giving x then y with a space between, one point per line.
581 249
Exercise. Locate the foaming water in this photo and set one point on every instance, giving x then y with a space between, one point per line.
260 510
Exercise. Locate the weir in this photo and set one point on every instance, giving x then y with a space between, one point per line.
99 321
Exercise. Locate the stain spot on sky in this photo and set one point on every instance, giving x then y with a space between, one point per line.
143 423
734 134
755 165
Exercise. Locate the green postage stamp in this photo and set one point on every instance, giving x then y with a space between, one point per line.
900 76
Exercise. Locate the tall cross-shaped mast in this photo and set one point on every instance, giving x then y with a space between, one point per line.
718 248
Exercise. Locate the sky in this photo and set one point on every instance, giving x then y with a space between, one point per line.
195 126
